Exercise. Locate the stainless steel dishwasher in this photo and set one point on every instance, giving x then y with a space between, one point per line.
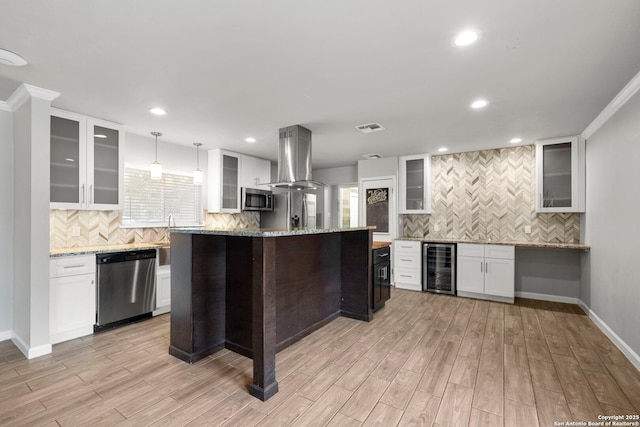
126 287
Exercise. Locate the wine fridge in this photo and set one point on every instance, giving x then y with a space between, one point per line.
439 268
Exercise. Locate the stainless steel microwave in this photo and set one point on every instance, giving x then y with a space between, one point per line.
254 199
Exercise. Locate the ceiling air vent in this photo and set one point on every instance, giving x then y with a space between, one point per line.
370 127
372 156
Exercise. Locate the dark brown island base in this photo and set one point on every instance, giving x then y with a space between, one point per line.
257 292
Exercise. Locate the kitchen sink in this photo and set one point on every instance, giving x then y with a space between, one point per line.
164 255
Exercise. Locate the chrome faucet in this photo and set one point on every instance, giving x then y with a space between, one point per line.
171 220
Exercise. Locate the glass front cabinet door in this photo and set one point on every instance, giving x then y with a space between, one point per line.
415 184
87 162
224 181
560 173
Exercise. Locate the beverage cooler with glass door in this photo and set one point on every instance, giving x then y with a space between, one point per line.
439 268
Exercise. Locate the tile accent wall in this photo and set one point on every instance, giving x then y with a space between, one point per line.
99 228
489 194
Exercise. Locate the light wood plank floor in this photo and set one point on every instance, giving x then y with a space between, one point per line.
425 360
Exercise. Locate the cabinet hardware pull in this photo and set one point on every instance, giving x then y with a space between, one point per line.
486 267
404 275
381 255
481 267
91 193
73 266
82 193
404 259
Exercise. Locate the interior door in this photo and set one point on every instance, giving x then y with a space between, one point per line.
378 207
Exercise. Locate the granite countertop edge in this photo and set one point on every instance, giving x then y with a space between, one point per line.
266 232
90 250
551 245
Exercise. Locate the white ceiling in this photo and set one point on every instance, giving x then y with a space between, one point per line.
226 70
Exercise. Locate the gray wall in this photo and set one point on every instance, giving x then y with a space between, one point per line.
378 167
554 272
611 224
6 223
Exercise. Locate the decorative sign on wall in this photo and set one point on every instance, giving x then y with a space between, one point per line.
378 209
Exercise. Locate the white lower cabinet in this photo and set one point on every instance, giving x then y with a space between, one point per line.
72 297
486 271
407 266
163 290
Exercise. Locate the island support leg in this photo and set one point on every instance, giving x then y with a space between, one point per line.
264 318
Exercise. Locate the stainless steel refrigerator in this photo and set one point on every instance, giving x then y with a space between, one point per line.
291 209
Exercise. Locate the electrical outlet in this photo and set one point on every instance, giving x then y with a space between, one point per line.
527 229
436 227
75 231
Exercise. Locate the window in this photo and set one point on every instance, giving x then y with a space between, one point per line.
148 202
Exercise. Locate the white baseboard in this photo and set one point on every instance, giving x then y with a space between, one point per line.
615 338
162 310
5 335
70 335
33 352
545 297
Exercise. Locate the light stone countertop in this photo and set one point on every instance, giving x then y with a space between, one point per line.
87 250
550 245
265 232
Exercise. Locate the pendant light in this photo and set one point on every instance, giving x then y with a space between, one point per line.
197 174
156 168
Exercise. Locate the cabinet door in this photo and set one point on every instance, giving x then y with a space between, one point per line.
470 274
230 182
224 181
499 277
263 172
560 175
163 291
415 184
68 188
72 307
105 165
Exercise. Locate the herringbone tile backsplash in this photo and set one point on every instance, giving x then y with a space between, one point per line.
489 194
99 228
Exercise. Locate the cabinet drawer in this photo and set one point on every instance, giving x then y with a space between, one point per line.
407 246
72 265
499 251
406 260
466 249
407 275
381 255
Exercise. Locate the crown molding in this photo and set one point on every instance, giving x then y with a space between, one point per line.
616 103
4 106
25 91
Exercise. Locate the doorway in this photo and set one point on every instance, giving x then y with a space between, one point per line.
348 206
378 207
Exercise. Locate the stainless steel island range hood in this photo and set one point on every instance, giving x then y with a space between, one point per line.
294 160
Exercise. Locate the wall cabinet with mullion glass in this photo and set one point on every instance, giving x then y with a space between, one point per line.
560 170
415 184
224 181
87 162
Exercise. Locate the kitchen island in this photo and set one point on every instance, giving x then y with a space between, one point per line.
256 292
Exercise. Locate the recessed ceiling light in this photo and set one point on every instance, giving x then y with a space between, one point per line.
442 149
9 58
466 38
515 140
480 103
157 111
250 140
99 135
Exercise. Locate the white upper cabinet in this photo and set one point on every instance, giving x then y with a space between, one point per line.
255 172
87 162
415 184
224 181
560 173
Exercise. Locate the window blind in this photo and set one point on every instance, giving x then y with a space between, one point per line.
148 202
